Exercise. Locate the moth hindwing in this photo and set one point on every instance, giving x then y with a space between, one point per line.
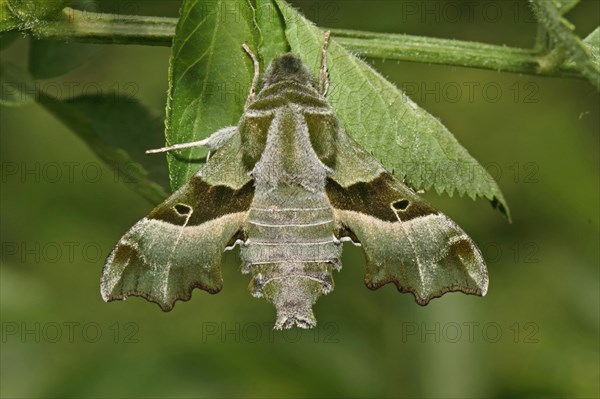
290 185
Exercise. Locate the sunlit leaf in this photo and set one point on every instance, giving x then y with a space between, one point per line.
272 31
381 118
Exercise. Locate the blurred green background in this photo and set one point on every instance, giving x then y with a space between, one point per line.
536 333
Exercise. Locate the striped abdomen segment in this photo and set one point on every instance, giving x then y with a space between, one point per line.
291 252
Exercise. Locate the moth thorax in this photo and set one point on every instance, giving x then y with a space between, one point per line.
289 158
288 67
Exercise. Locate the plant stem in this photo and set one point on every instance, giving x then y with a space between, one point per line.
159 31
568 44
448 52
94 27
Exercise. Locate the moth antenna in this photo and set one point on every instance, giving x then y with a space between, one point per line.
324 75
252 93
176 147
213 142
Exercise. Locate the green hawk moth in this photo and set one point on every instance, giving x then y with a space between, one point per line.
288 186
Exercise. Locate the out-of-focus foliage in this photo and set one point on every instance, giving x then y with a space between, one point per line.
534 335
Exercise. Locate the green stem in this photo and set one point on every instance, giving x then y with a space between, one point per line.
567 43
94 27
447 52
159 31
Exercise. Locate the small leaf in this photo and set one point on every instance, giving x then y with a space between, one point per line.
26 14
118 130
209 76
272 31
17 86
566 41
383 120
592 42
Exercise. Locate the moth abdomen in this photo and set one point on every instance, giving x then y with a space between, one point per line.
293 287
291 249
268 273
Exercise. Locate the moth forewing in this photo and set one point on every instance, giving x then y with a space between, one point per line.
179 245
406 241
290 186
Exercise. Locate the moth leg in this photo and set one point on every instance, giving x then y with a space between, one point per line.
324 75
252 93
213 142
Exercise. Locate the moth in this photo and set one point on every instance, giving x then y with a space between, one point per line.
288 186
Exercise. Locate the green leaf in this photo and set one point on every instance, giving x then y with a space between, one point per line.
209 76
592 42
17 86
272 31
118 130
566 41
50 58
383 120
8 21
26 14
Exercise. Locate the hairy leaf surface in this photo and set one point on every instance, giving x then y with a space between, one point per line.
209 76
561 31
272 31
406 139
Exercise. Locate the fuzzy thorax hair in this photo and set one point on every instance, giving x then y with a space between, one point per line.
288 67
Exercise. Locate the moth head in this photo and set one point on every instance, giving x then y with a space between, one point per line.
288 67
